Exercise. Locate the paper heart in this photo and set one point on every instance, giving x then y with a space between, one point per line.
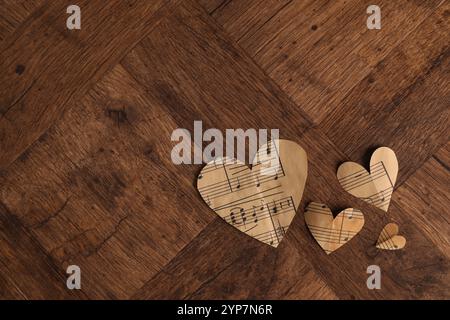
375 187
389 238
260 201
332 233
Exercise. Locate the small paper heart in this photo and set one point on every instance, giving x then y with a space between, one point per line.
332 233
263 200
375 187
389 238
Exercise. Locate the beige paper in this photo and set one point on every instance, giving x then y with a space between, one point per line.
332 233
375 187
389 238
260 201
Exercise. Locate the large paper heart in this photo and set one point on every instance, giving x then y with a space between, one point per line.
332 233
375 187
260 201
389 238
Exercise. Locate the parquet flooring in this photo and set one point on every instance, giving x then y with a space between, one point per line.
86 118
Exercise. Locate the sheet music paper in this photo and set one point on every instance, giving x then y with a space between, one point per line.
375 187
261 201
389 238
332 233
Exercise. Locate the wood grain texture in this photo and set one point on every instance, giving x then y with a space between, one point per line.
13 14
317 51
403 103
59 65
86 176
29 271
425 197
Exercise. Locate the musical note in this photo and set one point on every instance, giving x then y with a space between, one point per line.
274 208
376 185
253 199
254 214
243 216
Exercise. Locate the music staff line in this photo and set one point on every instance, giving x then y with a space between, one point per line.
249 199
233 161
217 165
241 178
259 213
272 235
319 210
381 198
363 170
331 236
358 181
386 240
239 184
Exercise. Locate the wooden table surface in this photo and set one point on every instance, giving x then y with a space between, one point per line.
86 118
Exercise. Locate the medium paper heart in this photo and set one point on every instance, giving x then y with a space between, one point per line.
260 201
332 233
389 238
375 187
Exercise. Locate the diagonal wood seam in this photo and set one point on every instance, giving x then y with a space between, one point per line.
28 20
49 261
157 16
288 98
201 231
405 92
244 53
224 35
274 84
3 266
271 17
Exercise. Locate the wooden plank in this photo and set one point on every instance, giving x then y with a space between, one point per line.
98 189
241 19
403 103
192 81
30 273
94 188
424 197
317 51
443 156
420 270
242 269
345 269
223 264
59 66
211 5
15 12
9 290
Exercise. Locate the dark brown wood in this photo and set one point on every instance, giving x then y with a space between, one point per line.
403 103
424 198
13 14
57 66
86 118
30 273
317 51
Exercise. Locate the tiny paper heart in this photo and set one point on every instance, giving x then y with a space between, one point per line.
263 200
389 238
375 187
332 233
